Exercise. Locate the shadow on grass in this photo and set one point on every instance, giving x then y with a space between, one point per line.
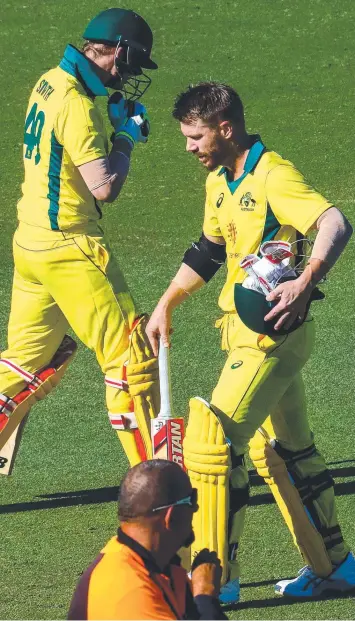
110 494
277 601
65 499
248 585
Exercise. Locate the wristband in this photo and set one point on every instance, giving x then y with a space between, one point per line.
126 136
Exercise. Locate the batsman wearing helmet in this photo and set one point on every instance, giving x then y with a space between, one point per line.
65 274
258 209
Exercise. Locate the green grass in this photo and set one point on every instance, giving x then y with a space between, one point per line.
293 64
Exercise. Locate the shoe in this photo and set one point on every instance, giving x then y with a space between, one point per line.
230 592
308 584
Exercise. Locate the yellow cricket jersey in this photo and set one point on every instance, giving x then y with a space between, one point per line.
63 130
271 200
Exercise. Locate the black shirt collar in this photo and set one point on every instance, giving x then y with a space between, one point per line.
145 555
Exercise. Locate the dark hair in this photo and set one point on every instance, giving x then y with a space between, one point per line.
150 484
211 102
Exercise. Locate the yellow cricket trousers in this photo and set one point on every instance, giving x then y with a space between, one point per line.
63 280
261 385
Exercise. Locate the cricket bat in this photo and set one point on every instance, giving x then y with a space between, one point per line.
10 448
167 431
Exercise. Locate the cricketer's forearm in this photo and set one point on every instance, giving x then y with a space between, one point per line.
187 279
183 284
334 232
105 176
181 287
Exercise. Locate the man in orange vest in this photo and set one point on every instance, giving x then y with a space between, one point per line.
138 574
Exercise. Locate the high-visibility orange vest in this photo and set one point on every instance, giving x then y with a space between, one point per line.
124 582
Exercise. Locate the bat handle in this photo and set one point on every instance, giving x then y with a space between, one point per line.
166 408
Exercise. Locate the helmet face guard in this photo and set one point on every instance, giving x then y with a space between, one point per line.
131 80
135 87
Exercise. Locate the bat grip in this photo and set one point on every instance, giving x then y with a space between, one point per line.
166 409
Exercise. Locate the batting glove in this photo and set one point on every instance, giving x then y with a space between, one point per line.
136 127
117 109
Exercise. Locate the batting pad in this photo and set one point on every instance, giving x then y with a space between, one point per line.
143 381
273 469
38 388
208 464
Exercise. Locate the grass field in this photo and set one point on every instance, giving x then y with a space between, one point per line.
293 64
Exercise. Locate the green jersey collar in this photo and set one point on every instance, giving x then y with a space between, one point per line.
77 65
254 155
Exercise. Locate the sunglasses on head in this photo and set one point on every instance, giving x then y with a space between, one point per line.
190 500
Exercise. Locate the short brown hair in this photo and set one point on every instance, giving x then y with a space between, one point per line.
211 102
98 49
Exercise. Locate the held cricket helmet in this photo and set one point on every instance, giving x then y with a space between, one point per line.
125 29
252 307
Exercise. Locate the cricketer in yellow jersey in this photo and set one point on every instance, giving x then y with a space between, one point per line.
65 274
254 195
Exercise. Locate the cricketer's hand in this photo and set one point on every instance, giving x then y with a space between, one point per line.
293 297
159 326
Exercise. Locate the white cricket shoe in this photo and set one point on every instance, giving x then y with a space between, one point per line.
230 592
308 584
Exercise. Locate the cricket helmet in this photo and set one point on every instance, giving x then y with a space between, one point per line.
252 307
125 29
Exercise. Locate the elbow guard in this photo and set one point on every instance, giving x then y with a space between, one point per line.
205 257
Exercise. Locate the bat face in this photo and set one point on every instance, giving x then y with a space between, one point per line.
167 437
9 450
